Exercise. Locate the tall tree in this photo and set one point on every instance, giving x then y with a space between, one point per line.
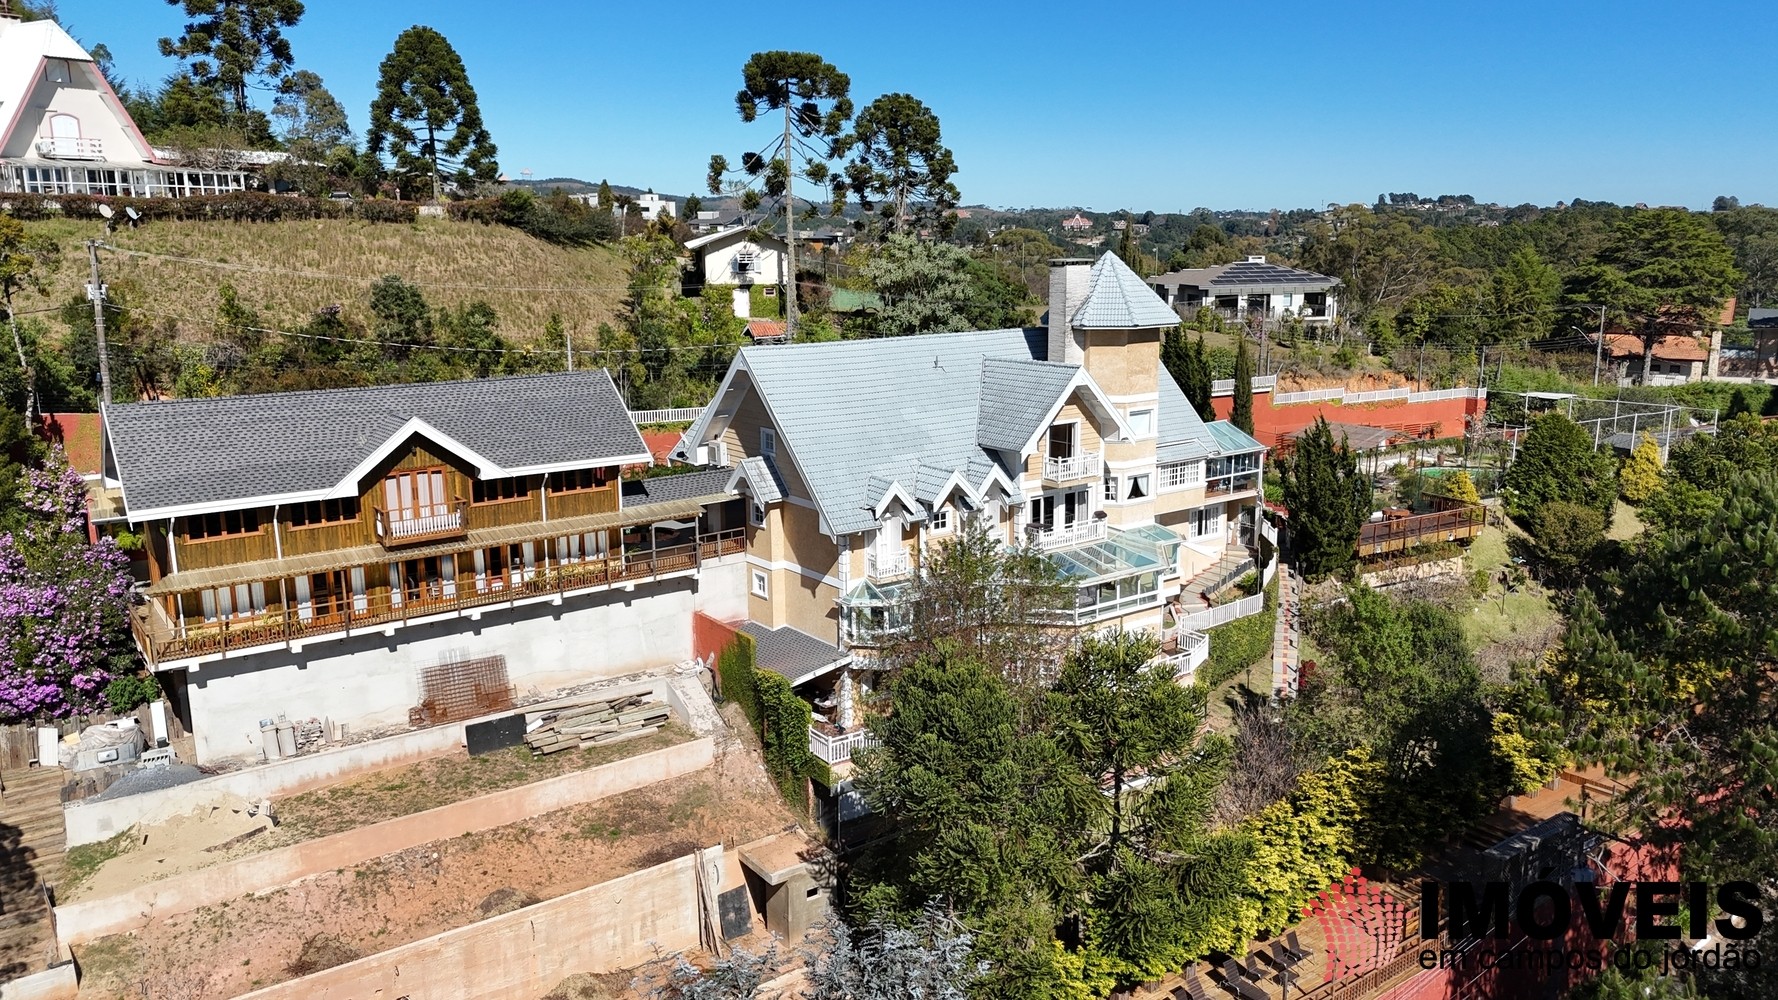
426 114
899 163
1328 499
1382 259
929 287
26 261
1556 462
230 43
1242 414
314 129
1525 291
1663 272
797 84
1189 365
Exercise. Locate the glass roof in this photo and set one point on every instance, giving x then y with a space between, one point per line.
867 594
1117 556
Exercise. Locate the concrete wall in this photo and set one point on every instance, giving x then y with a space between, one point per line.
373 680
615 925
78 923
1271 423
58 982
722 588
88 821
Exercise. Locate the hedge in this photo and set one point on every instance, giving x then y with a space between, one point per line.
1242 642
779 718
236 206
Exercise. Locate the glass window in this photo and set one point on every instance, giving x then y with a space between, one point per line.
756 512
1110 487
1142 422
577 479
759 583
1181 475
941 518
768 442
1138 487
222 524
502 490
318 512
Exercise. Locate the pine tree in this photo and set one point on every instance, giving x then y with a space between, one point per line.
1242 415
1328 500
1189 364
426 115
1640 477
1556 461
605 198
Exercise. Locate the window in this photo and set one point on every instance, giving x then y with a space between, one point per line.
502 490
243 600
756 513
55 70
1142 423
1138 488
202 527
760 585
409 496
318 512
578 479
1205 521
1110 487
1181 475
1061 440
941 518
768 442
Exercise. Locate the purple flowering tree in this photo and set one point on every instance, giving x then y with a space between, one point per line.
64 602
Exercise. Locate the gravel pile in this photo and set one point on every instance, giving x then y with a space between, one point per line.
150 779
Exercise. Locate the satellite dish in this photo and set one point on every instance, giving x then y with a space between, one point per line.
133 214
105 210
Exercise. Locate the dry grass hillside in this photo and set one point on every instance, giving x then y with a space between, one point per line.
287 270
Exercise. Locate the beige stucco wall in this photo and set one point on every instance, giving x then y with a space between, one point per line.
1124 362
741 437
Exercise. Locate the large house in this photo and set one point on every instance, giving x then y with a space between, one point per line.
1251 287
852 458
370 555
64 131
740 257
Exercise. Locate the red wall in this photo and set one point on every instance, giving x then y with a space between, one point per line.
1443 418
709 636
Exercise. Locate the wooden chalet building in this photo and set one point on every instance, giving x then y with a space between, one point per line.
373 556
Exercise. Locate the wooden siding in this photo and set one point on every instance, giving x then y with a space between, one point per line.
600 500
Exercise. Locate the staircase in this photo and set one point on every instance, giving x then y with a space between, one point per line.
1195 589
32 840
1286 633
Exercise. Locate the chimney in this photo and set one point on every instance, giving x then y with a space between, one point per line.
1257 258
1714 365
1068 289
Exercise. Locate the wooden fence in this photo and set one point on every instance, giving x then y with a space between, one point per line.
18 740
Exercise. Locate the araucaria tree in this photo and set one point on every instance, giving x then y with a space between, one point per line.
899 165
1328 499
232 42
815 99
426 116
64 603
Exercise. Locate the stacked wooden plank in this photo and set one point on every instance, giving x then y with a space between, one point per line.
564 725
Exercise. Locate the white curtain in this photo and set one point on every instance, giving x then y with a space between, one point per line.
305 611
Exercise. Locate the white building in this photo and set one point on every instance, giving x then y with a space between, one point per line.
740 256
653 206
1251 287
63 130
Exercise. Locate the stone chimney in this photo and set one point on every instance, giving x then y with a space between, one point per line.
1068 289
1714 365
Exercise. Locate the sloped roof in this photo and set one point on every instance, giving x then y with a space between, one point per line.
1016 395
1118 299
1245 274
1676 347
236 450
1231 439
762 476
700 484
23 47
720 235
1182 434
790 653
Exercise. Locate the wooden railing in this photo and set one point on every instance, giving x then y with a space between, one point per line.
212 638
722 543
407 530
1378 537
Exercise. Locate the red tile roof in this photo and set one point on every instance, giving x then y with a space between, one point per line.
763 328
1669 348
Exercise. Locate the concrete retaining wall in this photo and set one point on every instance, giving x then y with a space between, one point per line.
614 925
78 923
373 680
57 982
1417 571
88 821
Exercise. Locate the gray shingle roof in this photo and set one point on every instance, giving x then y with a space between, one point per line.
712 481
855 409
1118 299
1244 274
792 654
1016 394
233 450
762 475
1182 434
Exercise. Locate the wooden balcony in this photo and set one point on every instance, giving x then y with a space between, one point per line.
440 526
161 639
1398 533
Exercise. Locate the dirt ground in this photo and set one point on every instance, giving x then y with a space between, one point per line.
227 831
255 941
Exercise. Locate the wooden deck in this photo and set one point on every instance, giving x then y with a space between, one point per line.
1397 534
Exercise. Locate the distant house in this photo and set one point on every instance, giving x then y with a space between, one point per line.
1764 324
64 131
707 221
1251 287
1078 224
653 206
1677 358
740 256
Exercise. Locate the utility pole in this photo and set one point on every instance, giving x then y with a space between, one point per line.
789 224
568 335
96 292
1599 348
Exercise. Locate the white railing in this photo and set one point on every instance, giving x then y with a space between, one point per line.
1467 392
1268 530
681 415
1379 396
887 565
1307 396
1053 536
66 148
839 749
396 528
1265 579
1222 614
1063 470
1193 650
1226 386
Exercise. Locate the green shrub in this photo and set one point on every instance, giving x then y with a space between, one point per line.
1241 643
734 676
125 694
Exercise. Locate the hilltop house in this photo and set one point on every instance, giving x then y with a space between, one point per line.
64 131
1676 360
741 257
1251 287
853 457
378 555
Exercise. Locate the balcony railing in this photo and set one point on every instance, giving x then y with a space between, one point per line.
1071 469
405 529
722 543
1185 650
1223 486
1052 536
1379 537
838 748
887 565
66 148
162 640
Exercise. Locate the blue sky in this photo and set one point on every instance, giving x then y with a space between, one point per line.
1162 106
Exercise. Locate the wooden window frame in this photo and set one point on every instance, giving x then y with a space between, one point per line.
258 529
600 480
505 479
325 522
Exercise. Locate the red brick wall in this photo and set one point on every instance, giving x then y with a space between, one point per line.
709 636
1443 418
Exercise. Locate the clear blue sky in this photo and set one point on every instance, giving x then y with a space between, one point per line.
1153 105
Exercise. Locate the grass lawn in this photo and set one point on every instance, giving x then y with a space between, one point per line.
1492 620
1625 524
1254 682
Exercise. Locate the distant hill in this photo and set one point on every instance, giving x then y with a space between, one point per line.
288 270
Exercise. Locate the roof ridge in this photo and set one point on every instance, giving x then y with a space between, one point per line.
357 389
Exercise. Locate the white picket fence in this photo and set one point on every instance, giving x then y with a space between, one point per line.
1377 396
684 414
1222 614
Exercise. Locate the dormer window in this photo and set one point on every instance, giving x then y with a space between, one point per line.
768 442
941 518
